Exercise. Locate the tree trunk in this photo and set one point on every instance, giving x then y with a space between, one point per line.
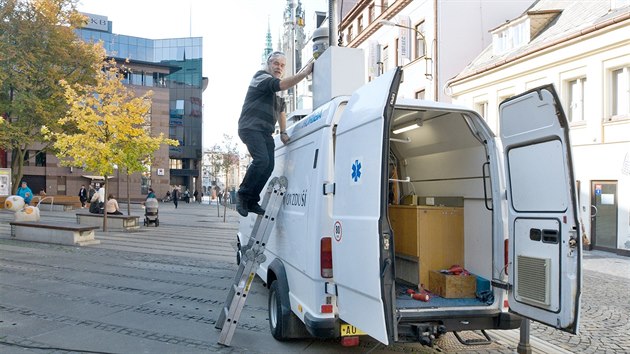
128 196
17 171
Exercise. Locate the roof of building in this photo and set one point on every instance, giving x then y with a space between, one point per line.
551 22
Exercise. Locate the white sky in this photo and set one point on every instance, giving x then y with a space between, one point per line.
234 34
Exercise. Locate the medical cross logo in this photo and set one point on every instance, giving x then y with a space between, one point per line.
356 170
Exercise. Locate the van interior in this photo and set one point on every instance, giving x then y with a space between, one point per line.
439 208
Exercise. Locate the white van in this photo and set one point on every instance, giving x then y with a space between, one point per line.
385 193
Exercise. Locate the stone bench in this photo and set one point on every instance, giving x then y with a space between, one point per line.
125 222
67 202
54 232
60 202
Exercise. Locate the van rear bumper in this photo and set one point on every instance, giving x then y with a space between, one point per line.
322 327
462 321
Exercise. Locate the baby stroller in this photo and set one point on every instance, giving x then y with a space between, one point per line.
151 212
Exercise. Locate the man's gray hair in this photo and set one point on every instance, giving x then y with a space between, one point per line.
270 57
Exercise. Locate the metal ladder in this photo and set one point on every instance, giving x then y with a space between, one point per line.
252 257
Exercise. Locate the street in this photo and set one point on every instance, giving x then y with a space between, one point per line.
160 290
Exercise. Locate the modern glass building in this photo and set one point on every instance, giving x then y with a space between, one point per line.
172 69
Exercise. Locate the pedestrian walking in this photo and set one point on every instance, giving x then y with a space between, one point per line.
196 195
96 202
83 196
175 196
263 107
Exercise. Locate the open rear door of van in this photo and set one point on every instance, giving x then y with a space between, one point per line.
544 247
362 259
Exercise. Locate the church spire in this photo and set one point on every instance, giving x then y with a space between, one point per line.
268 45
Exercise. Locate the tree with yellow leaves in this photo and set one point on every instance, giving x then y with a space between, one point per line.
106 126
38 47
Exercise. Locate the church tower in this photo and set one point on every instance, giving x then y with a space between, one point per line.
268 46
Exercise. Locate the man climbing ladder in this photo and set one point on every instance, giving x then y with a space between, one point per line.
253 256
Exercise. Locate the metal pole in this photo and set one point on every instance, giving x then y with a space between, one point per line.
332 23
523 346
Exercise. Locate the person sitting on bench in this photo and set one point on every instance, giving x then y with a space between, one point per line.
111 207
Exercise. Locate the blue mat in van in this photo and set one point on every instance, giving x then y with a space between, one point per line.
403 300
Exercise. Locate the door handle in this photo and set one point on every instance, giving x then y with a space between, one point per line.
593 211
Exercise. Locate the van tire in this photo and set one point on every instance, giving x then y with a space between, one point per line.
275 312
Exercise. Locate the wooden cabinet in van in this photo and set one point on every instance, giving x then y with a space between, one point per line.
426 238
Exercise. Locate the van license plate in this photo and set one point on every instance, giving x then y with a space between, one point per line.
350 330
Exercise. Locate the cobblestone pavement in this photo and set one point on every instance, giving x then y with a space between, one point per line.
605 310
160 289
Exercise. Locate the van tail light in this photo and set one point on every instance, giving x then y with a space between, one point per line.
325 258
506 243
327 308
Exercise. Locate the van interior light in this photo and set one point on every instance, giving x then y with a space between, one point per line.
407 127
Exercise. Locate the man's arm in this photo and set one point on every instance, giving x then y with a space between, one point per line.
282 122
291 81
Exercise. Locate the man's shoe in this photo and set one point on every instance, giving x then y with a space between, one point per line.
240 208
256 209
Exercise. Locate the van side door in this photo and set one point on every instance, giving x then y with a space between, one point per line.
544 247
361 258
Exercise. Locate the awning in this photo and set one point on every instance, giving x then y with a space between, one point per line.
101 178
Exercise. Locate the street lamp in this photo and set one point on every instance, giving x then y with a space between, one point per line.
427 60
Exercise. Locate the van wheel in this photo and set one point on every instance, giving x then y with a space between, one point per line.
275 312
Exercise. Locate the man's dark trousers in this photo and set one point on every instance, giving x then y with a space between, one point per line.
261 148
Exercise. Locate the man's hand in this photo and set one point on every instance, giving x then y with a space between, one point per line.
309 68
284 137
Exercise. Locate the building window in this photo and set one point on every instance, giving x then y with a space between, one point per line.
419 51
360 24
159 79
136 79
514 36
575 99
175 164
148 79
371 13
177 108
420 94
482 109
349 36
385 58
40 159
145 180
620 95
384 5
